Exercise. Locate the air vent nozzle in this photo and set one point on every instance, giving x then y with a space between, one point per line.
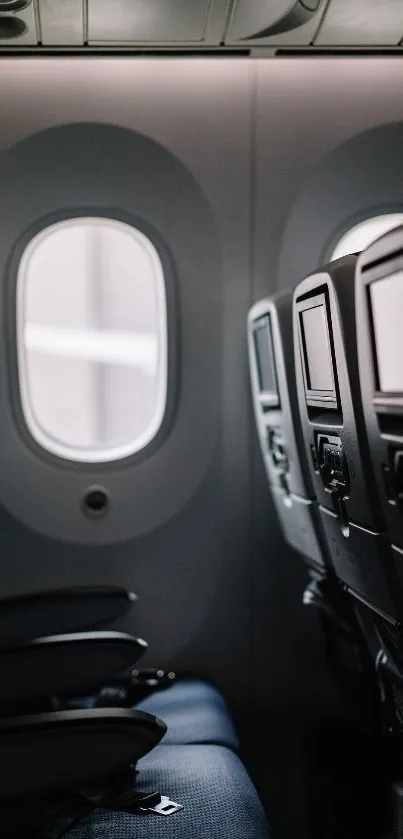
13 5
11 27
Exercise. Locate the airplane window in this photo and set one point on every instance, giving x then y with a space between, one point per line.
92 339
364 233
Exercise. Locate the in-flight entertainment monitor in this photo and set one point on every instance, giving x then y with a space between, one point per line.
386 301
319 380
266 371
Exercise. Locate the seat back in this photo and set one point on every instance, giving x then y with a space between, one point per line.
379 302
332 419
272 373
379 294
275 397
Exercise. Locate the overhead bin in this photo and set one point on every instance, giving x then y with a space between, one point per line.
147 20
150 22
266 22
17 23
362 23
62 22
249 24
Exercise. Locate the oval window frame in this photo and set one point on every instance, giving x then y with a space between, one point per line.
50 446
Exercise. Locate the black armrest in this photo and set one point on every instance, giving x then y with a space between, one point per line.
58 612
64 749
65 665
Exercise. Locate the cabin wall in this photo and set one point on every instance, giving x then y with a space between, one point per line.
238 141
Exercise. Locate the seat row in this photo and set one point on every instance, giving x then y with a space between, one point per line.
140 754
326 365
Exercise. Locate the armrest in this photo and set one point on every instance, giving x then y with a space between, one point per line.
70 610
65 665
65 749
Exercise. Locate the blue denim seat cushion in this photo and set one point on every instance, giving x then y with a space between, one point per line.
195 713
210 782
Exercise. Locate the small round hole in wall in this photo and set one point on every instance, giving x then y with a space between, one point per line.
13 5
11 27
96 502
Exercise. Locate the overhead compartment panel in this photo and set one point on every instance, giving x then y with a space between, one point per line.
147 20
275 21
62 22
18 29
362 23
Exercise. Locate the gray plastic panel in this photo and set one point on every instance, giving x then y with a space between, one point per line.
29 37
249 20
362 22
248 25
300 523
150 20
62 22
359 560
217 21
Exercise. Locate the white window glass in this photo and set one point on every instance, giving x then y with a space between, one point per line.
92 339
362 235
